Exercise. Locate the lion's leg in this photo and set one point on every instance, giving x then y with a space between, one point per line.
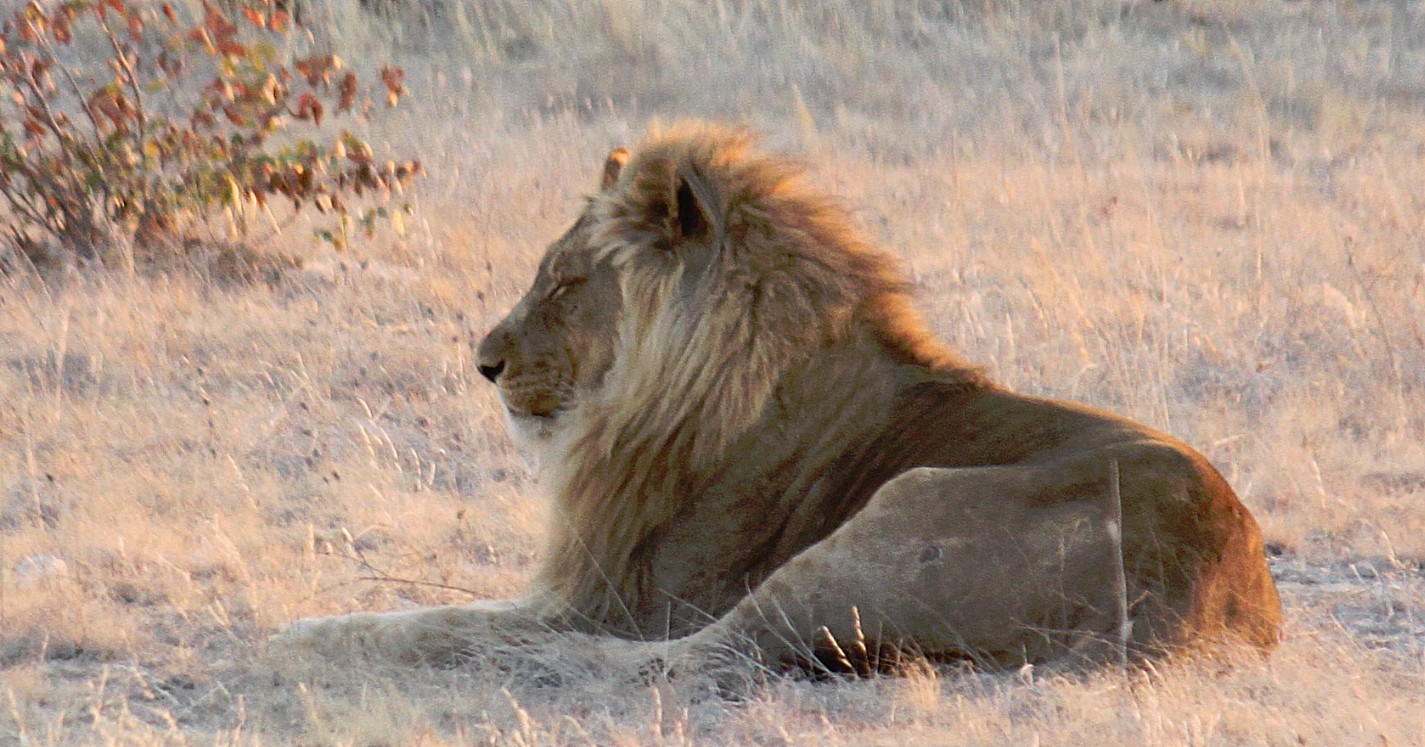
430 635
958 562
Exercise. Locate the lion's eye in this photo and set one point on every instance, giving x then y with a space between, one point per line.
565 286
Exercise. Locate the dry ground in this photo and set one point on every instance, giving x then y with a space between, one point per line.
1208 215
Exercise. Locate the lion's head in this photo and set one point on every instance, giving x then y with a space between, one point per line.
661 330
558 341
700 265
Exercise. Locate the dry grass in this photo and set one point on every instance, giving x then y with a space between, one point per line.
1205 214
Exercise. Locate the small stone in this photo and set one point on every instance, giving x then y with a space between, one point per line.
34 569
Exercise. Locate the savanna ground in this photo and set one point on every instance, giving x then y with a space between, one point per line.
1207 214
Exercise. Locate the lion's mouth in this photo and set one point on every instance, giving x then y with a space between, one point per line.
538 411
547 416
533 430
533 407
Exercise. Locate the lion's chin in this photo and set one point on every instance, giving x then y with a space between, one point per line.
530 431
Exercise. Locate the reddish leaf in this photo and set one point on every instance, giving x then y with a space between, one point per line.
217 23
393 77
61 29
114 108
309 107
317 69
358 153
307 68
347 88
199 35
170 64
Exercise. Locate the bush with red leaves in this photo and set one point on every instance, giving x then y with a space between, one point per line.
173 123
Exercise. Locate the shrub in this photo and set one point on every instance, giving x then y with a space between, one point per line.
132 126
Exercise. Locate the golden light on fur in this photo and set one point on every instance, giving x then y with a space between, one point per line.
753 441
696 369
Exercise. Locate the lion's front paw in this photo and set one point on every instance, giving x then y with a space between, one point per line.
717 669
367 635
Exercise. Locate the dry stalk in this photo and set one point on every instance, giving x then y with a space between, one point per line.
1113 524
841 657
1382 329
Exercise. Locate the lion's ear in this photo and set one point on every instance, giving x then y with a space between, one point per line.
613 167
695 206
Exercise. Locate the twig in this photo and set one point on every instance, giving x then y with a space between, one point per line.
390 579
1113 523
1382 330
22 202
415 582
131 77
69 77
379 575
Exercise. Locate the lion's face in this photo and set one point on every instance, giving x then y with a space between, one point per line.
559 340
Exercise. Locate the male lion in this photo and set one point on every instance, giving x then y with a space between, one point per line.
754 444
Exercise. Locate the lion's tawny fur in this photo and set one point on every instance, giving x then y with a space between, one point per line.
692 378
752 440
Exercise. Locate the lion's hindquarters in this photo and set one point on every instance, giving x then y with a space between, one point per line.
946 562
1236 594
997 564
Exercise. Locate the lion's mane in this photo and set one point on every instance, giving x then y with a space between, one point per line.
700 358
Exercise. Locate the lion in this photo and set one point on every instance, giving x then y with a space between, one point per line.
755 445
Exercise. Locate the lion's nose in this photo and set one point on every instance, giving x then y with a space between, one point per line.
491 372
493 353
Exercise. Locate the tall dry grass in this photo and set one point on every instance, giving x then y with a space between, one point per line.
1207 215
